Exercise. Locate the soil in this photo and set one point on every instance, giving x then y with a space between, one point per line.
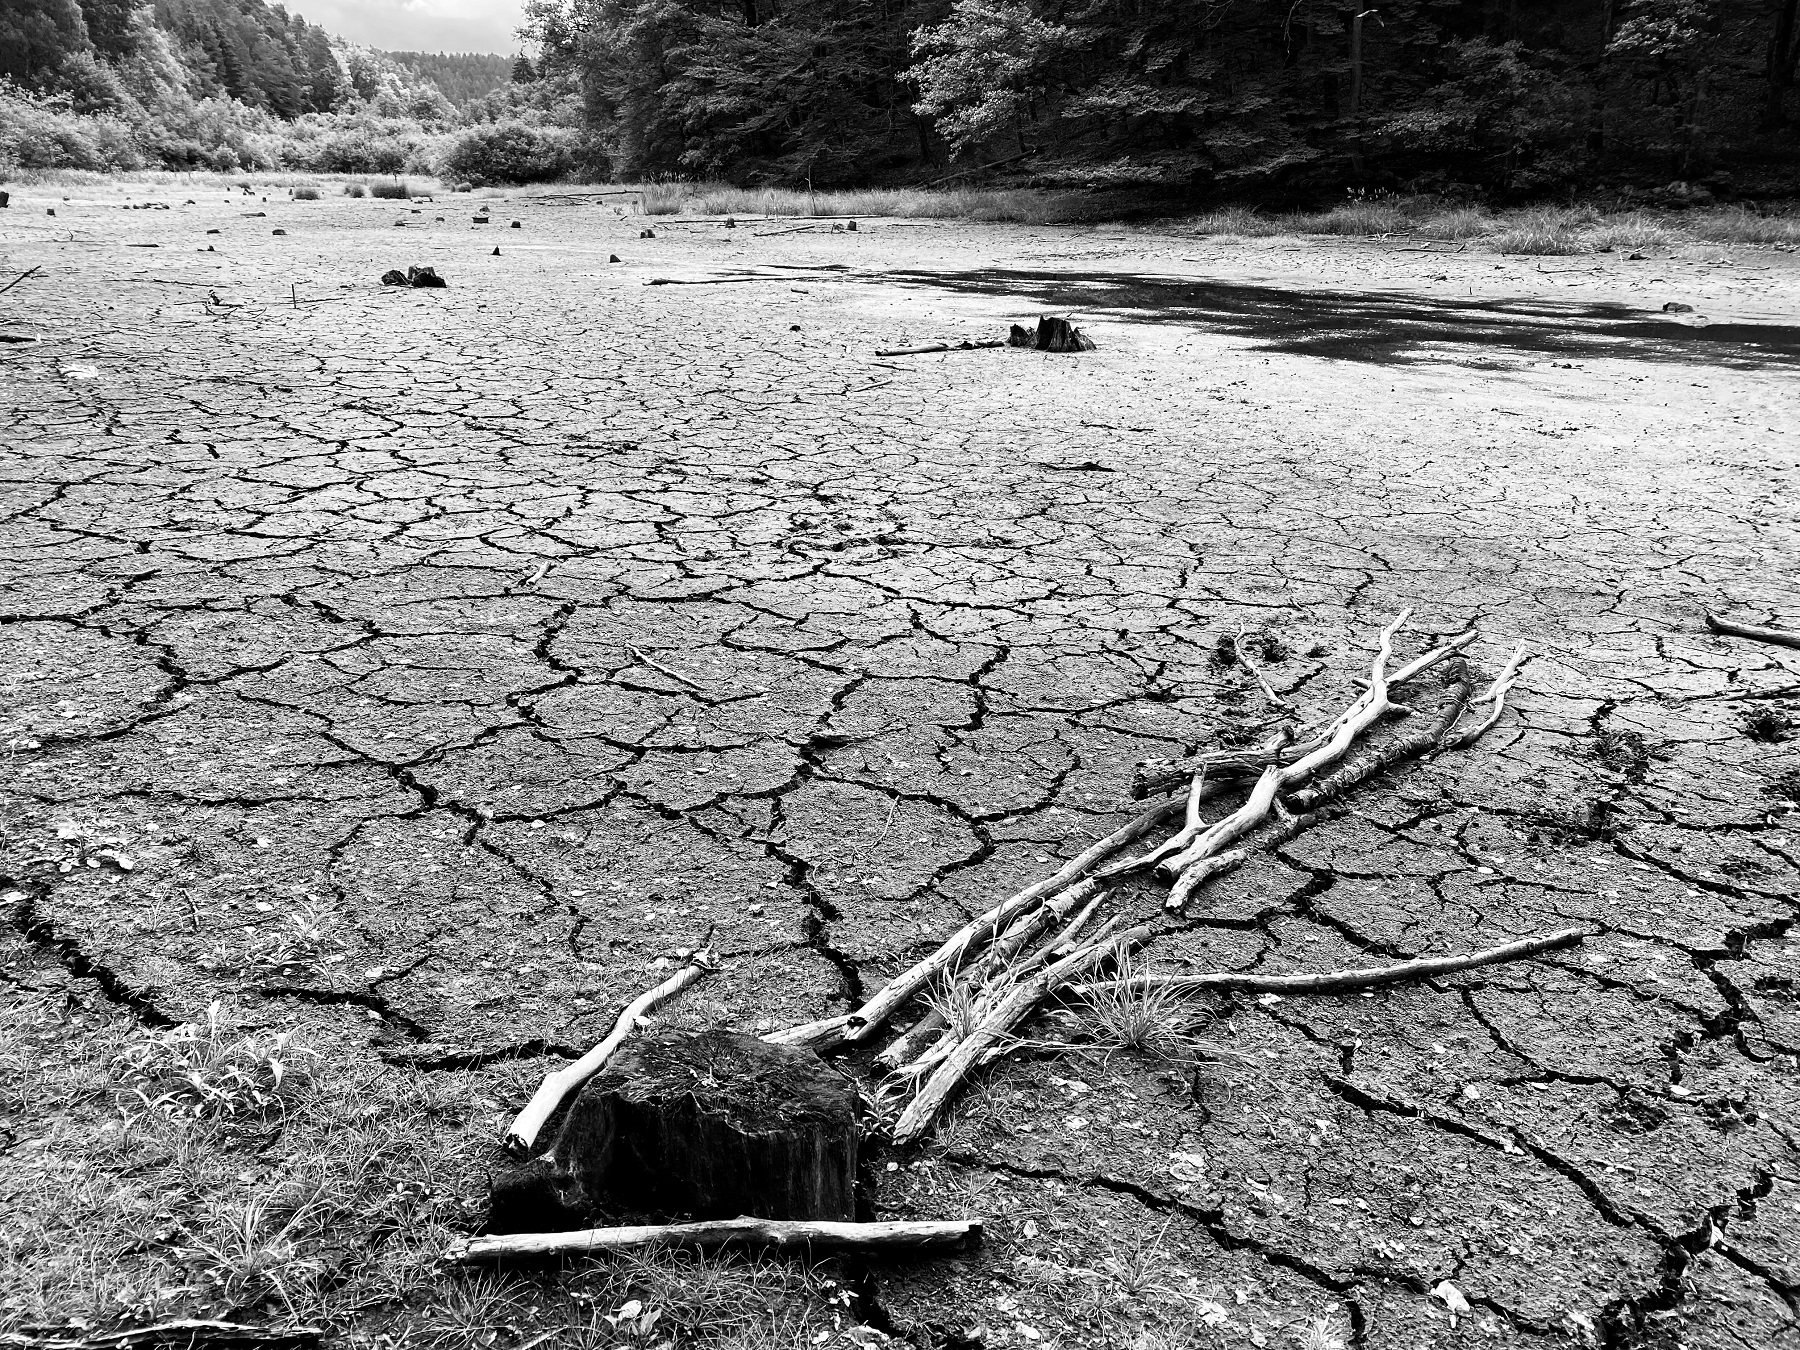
337 598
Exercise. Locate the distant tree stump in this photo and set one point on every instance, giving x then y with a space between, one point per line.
706 1125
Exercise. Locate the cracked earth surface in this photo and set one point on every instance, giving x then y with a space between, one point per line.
369 606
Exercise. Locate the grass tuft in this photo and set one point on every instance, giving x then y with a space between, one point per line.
355 190
1139 1020
199 1071
306 194
390 191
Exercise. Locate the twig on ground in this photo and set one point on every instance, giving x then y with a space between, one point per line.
522 1135
16 280
186 1334
661 669
818 1235
1351 981
1781 637
1495 694
1275 699
938 347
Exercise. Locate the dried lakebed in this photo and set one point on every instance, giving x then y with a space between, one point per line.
419 669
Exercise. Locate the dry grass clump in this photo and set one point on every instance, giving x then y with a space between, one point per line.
1543 233
1240 221
390 191
306 194
1741 225
1139 1020
1456 223
355 190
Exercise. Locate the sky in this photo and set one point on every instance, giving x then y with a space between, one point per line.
417 25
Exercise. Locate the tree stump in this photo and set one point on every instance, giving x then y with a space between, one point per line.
705 1125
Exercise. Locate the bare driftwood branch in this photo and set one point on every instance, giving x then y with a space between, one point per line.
1494 694
938 347
1350 981
557 1087
1334 785
894 1238
661 669
186 1334
1015 1008
868 1018
15 281
1781 637
1275 699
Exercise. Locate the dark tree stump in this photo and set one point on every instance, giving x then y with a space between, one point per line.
707 1125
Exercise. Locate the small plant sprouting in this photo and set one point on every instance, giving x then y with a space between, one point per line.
199 1071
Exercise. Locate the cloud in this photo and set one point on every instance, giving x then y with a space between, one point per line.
418 25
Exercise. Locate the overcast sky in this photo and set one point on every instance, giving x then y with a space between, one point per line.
417 25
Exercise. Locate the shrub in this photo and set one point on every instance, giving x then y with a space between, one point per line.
390 191
306 194
510 152
354 190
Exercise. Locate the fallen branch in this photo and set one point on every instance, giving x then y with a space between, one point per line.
661 669
1495 694
1348 981
1275 699
894 1237
1334 785
186 1334
938 347
16 280
1781 637
522 1135
1014 1009
866 1020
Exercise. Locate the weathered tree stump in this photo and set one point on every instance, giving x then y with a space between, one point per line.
699 1124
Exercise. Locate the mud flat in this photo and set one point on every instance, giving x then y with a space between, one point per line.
418 669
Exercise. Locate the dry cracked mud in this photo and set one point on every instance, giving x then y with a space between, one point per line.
522 632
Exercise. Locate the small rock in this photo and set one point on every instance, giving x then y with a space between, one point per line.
394 277
793 328
49 210
496 252
1636 257
613 258
731 222
277 231
516 225
480 220
212 231
1676 307
646 234
851 226
426 278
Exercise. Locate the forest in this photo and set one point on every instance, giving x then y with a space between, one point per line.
1515 96
1513 99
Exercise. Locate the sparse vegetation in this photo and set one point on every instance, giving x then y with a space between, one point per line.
200 1070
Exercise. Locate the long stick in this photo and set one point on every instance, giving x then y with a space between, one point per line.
556 1087
189 1333
1495 694
819 1235
923 1109
16 280
1350 981
1781 637
867 1019
1334 785
938 347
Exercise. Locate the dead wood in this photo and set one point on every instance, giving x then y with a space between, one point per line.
661 669
938 347
1349 981
186 1334
694 1124
1333 786
1494 694
1781 637
890 1238
556 1087
866 1020
1014 1009
16 280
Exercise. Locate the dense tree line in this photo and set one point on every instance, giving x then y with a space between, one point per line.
460 76
1517 95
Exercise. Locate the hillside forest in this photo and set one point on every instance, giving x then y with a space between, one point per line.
1505 98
